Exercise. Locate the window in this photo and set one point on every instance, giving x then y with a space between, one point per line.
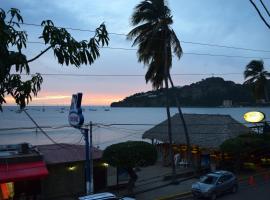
209 179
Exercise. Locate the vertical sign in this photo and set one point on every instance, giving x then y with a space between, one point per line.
75 117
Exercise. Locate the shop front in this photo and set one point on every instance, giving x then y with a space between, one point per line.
20 174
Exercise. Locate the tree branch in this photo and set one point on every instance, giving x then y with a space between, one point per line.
265 8
41 53
258 11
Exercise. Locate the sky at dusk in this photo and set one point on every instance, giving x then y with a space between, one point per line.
223 22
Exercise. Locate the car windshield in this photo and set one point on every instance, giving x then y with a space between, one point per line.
208 179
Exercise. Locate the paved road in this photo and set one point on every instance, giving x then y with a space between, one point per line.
261 191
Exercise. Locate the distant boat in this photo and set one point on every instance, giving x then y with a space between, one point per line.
92 109
107 109
43 109
62 110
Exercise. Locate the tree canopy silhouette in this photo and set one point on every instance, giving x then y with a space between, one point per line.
128 155
256 73
157 42
13 41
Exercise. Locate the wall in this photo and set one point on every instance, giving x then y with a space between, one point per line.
62 183
65 184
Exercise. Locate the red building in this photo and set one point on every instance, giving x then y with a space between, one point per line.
54 171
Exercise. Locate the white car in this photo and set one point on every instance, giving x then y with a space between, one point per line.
104 195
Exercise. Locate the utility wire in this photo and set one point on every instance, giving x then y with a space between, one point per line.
52 140
42 131
185 53
132 75
183 41
131 124
151 124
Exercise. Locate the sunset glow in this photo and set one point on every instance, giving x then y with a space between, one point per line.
53 99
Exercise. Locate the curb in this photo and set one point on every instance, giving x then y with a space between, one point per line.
180 195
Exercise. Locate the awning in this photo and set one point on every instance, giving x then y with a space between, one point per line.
22 171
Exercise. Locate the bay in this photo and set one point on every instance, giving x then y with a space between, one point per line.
110 125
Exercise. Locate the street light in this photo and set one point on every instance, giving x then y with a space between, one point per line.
257 117
254 116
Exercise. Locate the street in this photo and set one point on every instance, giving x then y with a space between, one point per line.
246 192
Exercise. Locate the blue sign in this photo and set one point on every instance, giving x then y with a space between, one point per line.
75 117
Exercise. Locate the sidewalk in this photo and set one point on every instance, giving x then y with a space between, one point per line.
154 182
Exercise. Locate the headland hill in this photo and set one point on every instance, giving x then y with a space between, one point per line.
209 92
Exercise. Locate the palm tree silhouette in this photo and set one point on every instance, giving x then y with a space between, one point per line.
157 42
255 73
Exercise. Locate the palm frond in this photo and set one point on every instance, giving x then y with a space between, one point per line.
255 65
152 19
266 74
250 73
144 11
177 49
250 81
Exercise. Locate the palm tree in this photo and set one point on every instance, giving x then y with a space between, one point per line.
156 42
256 74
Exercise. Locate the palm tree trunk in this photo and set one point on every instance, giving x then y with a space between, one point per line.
166 68
189 155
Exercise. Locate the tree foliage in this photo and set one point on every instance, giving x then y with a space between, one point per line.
152 33
130 154
245 145
13 41
256 74
245 148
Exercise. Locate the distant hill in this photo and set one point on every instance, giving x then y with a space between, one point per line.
209 92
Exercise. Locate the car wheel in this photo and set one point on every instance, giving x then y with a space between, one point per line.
213 196
234 189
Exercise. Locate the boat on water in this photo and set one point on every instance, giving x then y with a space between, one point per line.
92 109
62 110
107 109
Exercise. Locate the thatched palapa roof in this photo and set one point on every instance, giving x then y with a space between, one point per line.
205 130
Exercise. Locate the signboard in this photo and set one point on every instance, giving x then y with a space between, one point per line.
254 116
75 117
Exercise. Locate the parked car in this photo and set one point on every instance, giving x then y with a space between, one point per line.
104 195
215 184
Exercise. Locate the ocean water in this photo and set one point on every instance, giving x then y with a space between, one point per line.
131 123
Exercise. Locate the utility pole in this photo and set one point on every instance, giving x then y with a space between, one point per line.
91 160
76 120
87 161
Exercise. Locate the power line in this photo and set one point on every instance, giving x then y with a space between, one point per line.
195 53
185 53
42 131
112 126
132 75
183 41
